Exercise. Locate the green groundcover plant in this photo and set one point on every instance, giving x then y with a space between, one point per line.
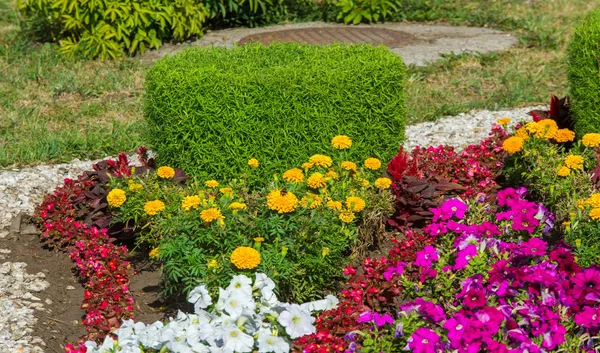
300 230
210 110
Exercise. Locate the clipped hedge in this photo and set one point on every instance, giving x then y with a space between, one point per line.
584 74
209 110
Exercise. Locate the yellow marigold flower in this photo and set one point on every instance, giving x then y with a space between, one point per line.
226 191
116 197
349 165
153 253
294 175
347 216
311 200
211 183
259 239
593 201
331 174
547 128
165 172
282 202
373 163
591 140
334 205
316 180
341 142
212 264
563 171
566 223
532 127
135 186
320 161
513 144
355 203
236 206
245 258
574 161
581 204
253 162
522 133
564 135
190 202
595 214
153 207
307 165
364 183
383 183
211 214
503 121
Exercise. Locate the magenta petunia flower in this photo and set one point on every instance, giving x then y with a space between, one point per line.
534 247
586 282
464 256
524 222
426 256
475 298
453 207
398 269
488 229
588 317
423 340
436 229
506 195
456 327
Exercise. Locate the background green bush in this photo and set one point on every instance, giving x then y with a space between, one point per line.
584 74
106 28
210 110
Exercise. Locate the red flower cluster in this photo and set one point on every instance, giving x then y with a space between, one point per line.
367 290
107 299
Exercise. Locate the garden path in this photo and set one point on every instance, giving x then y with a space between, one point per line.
23 295
416 43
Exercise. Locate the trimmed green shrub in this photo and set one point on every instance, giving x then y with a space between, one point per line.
106 28
210 110
584 74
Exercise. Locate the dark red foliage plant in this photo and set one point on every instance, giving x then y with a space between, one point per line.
426 177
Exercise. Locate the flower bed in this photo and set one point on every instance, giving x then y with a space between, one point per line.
479 263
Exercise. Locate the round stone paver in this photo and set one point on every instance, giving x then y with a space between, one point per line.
416 43
330 35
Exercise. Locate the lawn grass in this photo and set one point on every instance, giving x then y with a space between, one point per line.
53 109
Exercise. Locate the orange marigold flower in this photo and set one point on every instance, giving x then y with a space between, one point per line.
293 175
347 216
165 172
349 165
564 135
373 163
563 171
503 121
383 183
513 144
316 180
320 160
595 214
282 202
355 203
211 214
253 163
153 207
116 197
341 142
245 258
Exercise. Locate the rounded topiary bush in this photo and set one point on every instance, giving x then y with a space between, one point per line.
584 74
211 110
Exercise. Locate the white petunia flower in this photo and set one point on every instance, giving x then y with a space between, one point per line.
237 340
236 303
328 303
262 281
297 322
267 342
241 283
200 297
149 338
179 346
